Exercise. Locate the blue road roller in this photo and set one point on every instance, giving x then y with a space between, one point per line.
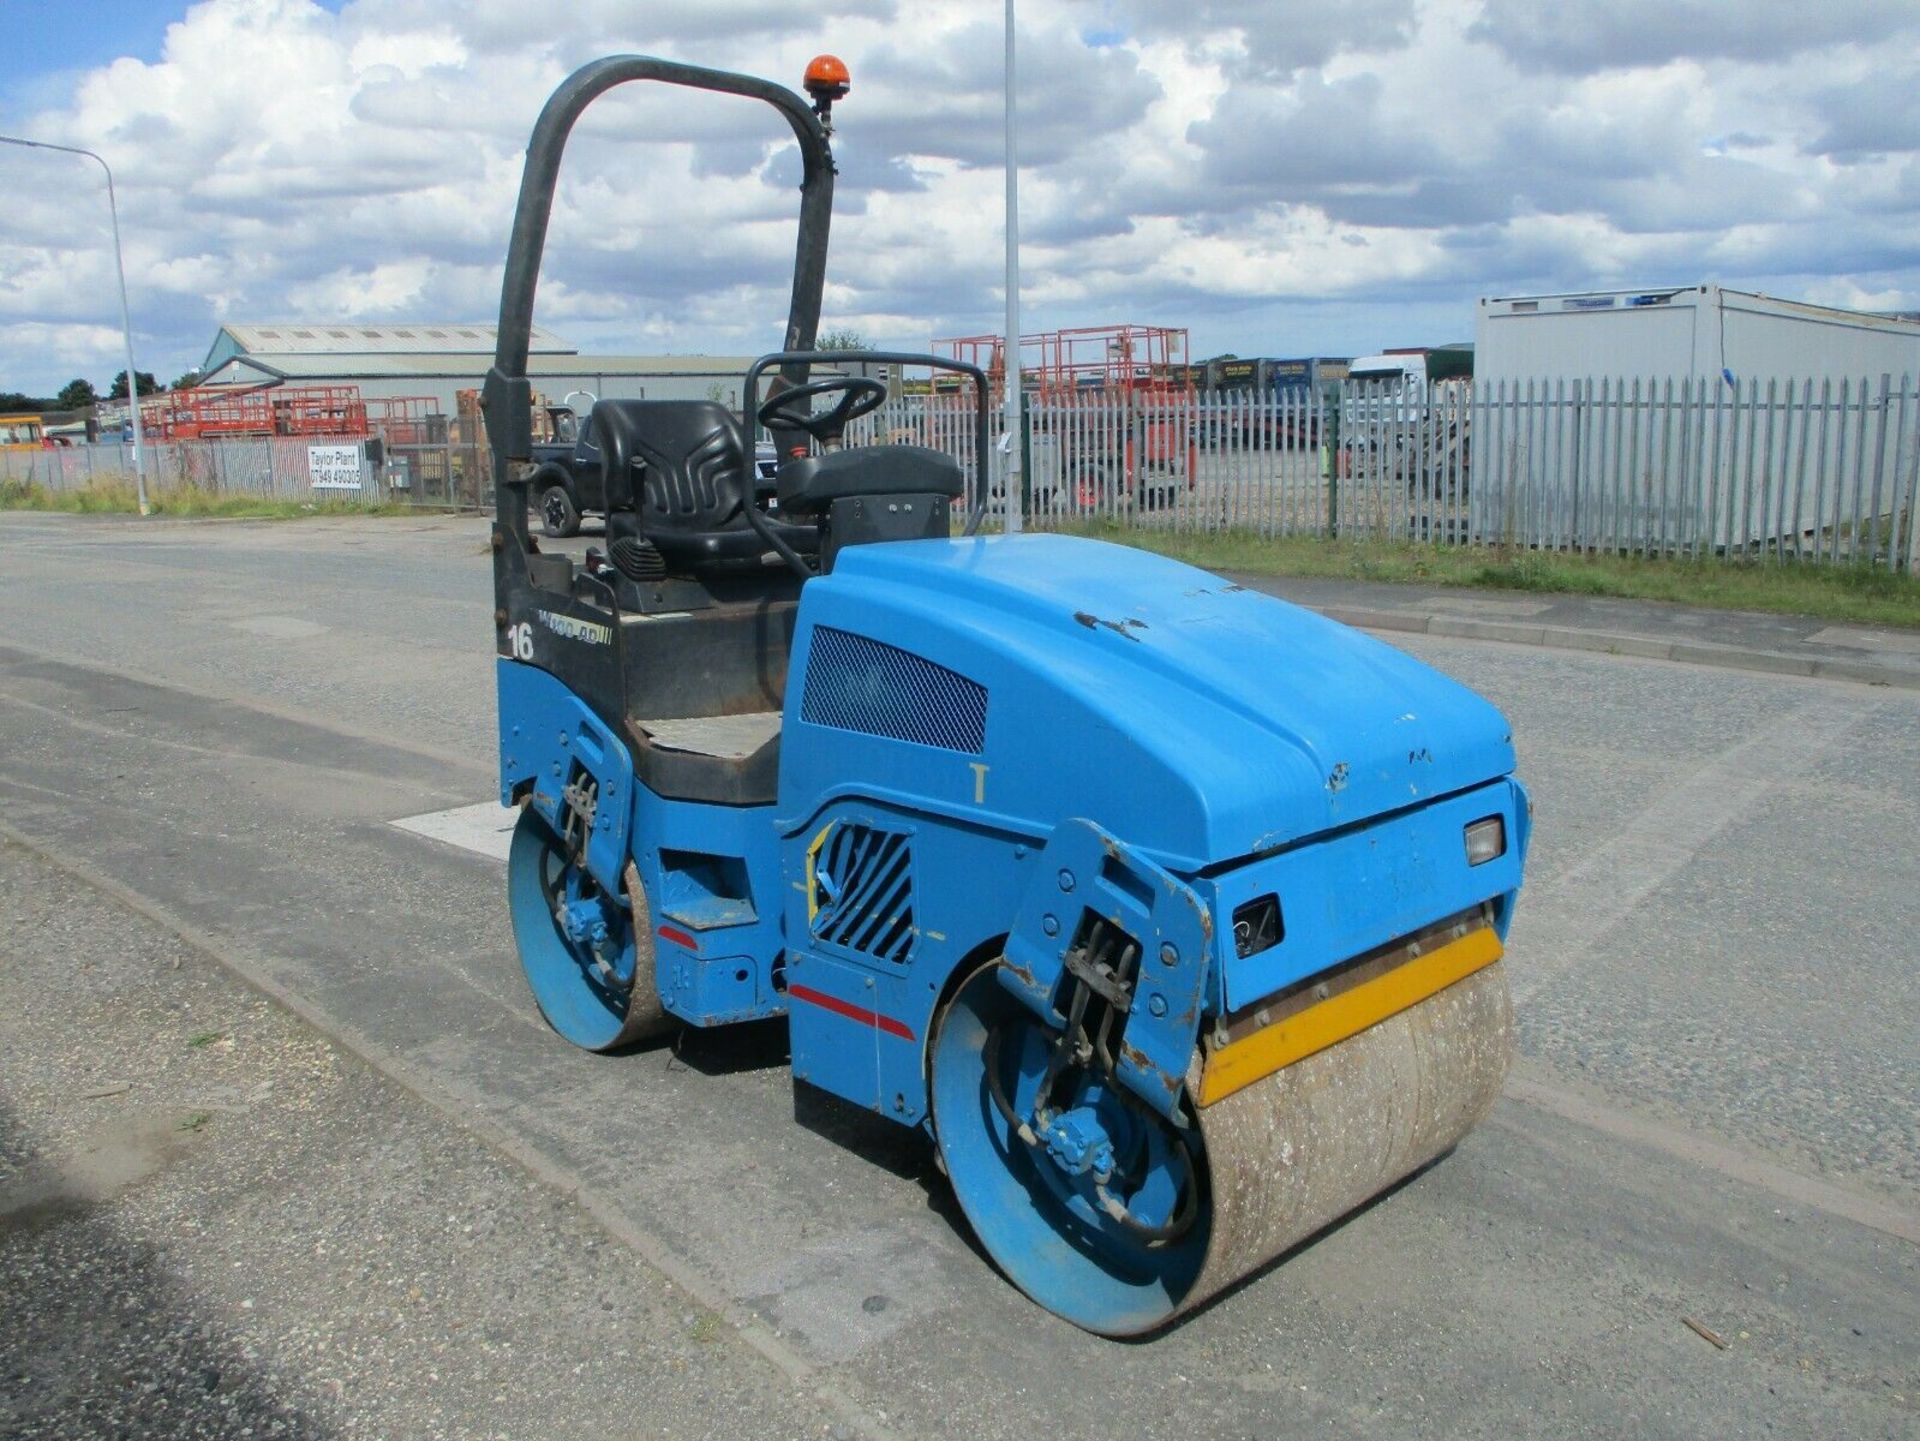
1171 913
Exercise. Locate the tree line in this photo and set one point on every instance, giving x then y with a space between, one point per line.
79 394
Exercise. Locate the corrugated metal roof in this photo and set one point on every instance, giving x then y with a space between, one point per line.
302 337
251 369
642 364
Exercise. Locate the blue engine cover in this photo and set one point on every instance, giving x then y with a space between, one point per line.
1198 720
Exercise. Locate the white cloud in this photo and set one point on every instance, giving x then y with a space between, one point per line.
1281 178
1584 36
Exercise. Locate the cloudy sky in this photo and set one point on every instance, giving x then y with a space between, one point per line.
1279 178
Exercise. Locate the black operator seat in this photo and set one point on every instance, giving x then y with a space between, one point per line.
695 474
810 484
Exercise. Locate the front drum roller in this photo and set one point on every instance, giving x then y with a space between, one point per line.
588 955
1275 1161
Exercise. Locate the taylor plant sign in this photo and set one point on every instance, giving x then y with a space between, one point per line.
334 467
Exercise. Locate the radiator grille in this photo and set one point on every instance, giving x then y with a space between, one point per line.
862 892
857 684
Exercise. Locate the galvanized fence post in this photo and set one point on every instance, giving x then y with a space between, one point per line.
1341 448
1859 476
1879 463
1910 387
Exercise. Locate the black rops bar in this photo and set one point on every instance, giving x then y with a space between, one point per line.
508 396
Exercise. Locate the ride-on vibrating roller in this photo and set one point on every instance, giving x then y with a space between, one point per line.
1172 912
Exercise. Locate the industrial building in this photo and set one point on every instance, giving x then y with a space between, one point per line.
435 361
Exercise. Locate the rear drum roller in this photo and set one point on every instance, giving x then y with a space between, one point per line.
577 943
1273 1163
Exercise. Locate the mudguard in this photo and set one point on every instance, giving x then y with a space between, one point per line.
1083 872
548 739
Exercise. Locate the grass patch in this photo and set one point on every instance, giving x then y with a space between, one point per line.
1865 594
119 497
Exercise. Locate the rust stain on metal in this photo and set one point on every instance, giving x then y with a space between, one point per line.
1137 1058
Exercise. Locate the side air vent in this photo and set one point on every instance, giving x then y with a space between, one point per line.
860 892
856 684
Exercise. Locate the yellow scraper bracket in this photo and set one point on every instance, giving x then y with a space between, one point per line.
1239 1063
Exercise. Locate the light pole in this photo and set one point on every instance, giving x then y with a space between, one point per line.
1012 348
126 320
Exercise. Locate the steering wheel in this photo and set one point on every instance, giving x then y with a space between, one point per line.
859 395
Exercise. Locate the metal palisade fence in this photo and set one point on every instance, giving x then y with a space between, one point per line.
353 469
1822 471
1813 470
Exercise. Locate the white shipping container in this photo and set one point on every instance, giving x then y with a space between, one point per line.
1541 363
1701 332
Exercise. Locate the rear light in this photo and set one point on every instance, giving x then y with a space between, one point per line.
1486 840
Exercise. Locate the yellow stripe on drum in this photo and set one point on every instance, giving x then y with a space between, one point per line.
1239 1064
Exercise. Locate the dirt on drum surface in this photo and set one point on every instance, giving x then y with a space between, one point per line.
215 1222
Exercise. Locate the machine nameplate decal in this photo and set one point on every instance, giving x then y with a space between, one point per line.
572 628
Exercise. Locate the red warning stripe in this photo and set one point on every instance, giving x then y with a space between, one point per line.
850 1011
678 937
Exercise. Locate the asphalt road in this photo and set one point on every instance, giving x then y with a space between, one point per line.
1715 1116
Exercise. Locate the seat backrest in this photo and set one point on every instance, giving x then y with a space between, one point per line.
695 458
694 484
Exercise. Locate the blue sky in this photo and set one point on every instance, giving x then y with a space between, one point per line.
1279 178
50 43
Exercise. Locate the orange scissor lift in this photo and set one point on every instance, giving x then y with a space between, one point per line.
214 411
1116 399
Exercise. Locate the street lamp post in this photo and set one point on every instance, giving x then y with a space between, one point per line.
126 320
1011 350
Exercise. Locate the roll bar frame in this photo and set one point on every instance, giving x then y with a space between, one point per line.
507 397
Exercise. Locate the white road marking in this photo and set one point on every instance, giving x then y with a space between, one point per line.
279 627
1710 1154
485 829
1562 917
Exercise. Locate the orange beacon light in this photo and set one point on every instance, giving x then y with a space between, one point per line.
827 81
